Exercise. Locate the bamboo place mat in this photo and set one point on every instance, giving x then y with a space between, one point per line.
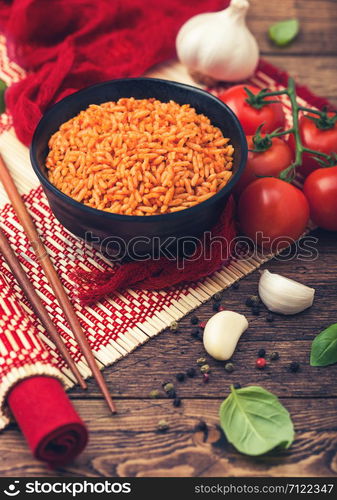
117 325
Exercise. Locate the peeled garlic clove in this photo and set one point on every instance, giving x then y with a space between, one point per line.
283 295
222 333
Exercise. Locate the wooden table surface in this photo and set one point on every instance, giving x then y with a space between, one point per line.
128 444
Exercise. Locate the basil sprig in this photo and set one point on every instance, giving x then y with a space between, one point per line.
324 347
284 32
255 421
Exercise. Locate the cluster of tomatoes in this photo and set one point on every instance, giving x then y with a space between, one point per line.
271 209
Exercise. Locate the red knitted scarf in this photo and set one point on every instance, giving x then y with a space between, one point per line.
65 45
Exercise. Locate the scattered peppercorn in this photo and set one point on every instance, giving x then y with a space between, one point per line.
236 285
180 377
294 366
237 386
174 326
154 394
261 353
191 372
201 426
194 320
261 363
162 426
201 361
202 324
256 310
222 308
195 332
217 297
205 378
176 402
270 317
274 356
168 387
205 369
216 306
229 367
171 394
253 300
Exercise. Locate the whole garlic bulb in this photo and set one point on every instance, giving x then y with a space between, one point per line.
219 44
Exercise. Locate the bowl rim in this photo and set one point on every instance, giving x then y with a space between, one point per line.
149 218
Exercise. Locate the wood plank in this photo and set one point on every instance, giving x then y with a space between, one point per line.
317 25
128 444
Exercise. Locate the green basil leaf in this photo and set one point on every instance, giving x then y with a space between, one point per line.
255 421
324 347
284 32
3 86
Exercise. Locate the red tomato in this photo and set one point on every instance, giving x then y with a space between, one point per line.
268 163
272 115
273 212
320 188
312 137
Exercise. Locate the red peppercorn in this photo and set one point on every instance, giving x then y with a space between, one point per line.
202 324
222 308
261 363
205 377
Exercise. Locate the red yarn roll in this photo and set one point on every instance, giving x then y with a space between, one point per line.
54 431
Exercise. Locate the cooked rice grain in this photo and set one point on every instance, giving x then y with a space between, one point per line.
139 157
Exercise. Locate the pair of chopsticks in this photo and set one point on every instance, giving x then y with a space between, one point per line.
55 282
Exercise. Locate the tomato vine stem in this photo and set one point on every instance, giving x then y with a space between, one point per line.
258 101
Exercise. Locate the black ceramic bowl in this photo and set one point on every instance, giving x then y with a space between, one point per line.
126 234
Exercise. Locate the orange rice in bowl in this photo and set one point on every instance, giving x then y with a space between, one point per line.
139 157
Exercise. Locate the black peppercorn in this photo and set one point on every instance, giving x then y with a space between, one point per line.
176 402
171 394
252 301
216 306
270 317
195 333
236 285
256 310
261 353
194 320
294 366
201 426
237 386
191 372
274 356
180 377
217 297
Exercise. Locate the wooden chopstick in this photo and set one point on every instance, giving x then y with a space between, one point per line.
53 278
37 305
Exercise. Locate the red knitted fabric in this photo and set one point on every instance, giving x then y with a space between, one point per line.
66 45
163 273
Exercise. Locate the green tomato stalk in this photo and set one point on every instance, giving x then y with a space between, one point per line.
323 121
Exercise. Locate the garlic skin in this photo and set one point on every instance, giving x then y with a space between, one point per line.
283 295
222 333
219 44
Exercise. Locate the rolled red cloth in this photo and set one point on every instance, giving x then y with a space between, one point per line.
54 431
31 387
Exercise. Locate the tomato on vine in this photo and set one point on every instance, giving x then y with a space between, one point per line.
273 213
318 132
320 188
253 108
268 156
